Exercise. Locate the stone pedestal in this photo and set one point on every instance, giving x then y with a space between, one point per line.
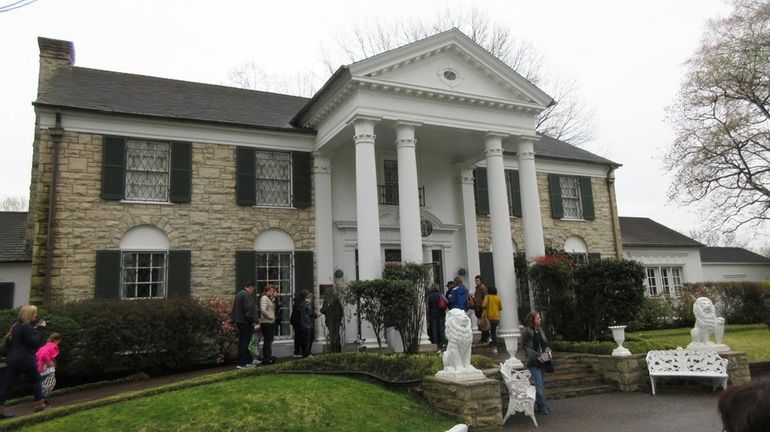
476 403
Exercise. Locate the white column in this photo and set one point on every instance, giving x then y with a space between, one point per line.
502 246
469 222
367 207
408 194
530 201
324 247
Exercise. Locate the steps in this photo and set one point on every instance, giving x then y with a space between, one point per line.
573 376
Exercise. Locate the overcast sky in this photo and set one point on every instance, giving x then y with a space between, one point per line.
627 57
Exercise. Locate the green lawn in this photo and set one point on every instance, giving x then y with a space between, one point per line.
754 339
265 403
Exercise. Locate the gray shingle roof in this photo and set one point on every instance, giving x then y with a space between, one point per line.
553 148
637 231
115 92
13 238
711 254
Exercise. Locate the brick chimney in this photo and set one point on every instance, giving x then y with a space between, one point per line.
54 54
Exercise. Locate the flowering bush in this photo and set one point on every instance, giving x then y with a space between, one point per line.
226 336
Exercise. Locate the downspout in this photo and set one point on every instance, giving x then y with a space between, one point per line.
610 181
56 133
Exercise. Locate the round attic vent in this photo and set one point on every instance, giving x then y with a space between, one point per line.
450 75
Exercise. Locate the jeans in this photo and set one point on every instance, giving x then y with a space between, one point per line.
437 329
493 329
538 377
307 341
268 332
245 331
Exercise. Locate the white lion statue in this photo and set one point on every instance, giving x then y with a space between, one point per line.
457 357
706 324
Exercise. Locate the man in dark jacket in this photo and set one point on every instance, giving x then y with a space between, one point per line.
478 297
244 315
296 322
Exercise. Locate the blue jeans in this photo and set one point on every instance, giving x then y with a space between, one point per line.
538 377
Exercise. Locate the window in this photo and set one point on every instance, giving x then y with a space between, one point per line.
276 268
144 275
481 192
273 178
664 281
147 171
571 197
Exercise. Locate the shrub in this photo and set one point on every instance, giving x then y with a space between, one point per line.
148 335
655 313
334 316
366 295
607 292
407 306
225 333
737 302
636 346
55 323
552 279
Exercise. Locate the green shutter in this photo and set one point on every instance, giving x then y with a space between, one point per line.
301 179
594 257
245 177
513 184
107 275
481 192
179 269
486 268
113 168
303 271
587 198
245 268
181 172
554 187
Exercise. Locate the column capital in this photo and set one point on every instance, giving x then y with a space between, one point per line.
363 129
466 173
405 134
493 145
321 164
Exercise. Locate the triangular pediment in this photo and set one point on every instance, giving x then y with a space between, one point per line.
450 62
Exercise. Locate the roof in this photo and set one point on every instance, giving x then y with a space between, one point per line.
116 92
638 231
552 148
13 238
711 254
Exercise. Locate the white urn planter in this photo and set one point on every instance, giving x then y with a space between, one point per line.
619 334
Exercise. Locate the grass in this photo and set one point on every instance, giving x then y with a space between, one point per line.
277 402
754 339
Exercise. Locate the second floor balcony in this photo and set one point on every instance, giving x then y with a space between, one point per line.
388 194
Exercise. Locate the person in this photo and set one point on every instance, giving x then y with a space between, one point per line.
46 363
23 339
334 317
244 315
267 321
536 348
491 307
307 321
478 297
458 298
296 321
436 316
746 407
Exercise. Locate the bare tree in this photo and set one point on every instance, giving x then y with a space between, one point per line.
721 155
712 237
252 75
14 203
765 252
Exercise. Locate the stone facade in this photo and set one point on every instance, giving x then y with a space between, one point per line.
211 226
600 235
476 403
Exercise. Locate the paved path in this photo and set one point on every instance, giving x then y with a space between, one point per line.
675 408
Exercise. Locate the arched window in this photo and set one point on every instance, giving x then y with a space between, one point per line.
576 248
144 263
275 252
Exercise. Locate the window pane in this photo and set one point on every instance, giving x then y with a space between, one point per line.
143 275
276 268
273 178
652 283
570 195
147 170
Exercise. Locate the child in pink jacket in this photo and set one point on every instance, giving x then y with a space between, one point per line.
46 355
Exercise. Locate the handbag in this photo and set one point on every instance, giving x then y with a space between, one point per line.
5 342
547 362
484 324
442 302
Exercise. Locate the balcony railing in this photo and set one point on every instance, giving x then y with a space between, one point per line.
389 194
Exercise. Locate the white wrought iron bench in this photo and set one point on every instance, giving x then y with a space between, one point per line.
521 394
687 363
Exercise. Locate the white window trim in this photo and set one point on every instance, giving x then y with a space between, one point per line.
165 273
581 210
288 297
290 180
168 173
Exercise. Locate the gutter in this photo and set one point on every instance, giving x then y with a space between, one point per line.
57 132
